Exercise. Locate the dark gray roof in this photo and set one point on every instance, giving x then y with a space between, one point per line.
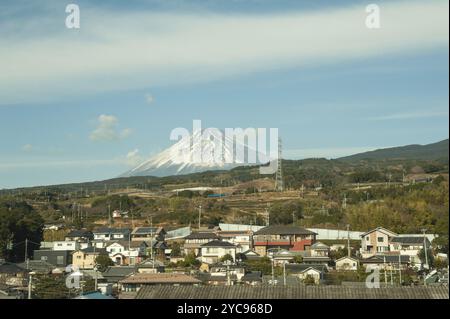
298 268
119 271
147 230
290 292
284 230
107 230
409 240
39 266
252 276
10 268
202 235
389 259
93 249
218 243
79 233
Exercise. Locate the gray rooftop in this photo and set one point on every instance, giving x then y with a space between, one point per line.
284 230
289 292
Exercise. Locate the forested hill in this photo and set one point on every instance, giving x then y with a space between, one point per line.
434 151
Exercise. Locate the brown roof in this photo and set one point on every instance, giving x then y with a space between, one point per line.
159 278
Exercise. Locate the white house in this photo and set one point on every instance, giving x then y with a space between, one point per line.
313 272
66 245
122 252
347 263
241 238
376 241
212 252
409 246
111 234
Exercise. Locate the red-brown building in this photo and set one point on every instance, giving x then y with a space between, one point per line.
284 237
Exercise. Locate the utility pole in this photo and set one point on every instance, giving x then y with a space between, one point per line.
284 273
26 253
199 215
30 284
151 241
385 273
348 241
425 247
109 215
273 273
400 269
392 280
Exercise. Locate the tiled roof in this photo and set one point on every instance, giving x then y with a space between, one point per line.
119 271
79 233
289 292
147 230
218 243
107 230
160 278
202 235
409 240
283 230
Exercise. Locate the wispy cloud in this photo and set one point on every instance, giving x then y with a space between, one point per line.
410 115
331 152
132 50
107 129
133 158
27 148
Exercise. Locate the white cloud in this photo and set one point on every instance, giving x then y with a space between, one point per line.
141 49
27 148
149 98
107 129
133 158
410 115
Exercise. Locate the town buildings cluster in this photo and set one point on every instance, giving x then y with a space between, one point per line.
147 256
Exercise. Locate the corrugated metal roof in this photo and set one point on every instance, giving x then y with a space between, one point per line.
298 292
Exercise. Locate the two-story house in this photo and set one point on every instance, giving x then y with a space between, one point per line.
126 252
409 246
317 254
241 238
282 237
85 258
79 235
148 234
194 241
108 234
376 241
213 251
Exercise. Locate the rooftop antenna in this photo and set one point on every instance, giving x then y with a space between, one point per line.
279 175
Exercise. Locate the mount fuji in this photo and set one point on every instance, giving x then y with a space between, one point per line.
180 158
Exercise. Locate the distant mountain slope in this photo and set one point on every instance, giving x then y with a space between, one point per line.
434 151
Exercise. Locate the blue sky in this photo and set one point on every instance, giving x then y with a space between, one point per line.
87 104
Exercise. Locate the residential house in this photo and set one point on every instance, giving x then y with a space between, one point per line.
252 278
387 262
131 284
301 271
126 252
38 266
194 241
376 241
11 275
148 234
317 254
347 263
285 237
58 258
85 258
222 274
79 235
242 239
69 245
150 266
108 234
409 246
213 251
114 274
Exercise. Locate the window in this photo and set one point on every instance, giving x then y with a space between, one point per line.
380 239
44 258
59 245
367 238
60 260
